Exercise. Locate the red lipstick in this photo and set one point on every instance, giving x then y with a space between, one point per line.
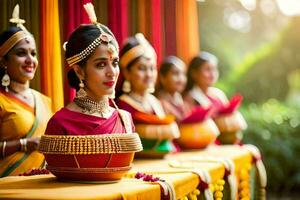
28 69
109 83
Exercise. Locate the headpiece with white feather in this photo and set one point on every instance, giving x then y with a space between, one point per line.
16 36
76 53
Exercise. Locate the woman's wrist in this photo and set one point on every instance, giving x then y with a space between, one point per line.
23 142
3 149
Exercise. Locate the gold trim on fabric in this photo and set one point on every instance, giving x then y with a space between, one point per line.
11 42
131 55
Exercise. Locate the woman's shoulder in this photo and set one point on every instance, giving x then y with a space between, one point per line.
55 124
59 115
217 93
153 98
125 112
124 102
42 96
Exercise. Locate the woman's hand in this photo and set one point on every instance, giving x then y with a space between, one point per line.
32 144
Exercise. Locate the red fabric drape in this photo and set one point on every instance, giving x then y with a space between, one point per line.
118 19
118 24
169 8
73 15
155 27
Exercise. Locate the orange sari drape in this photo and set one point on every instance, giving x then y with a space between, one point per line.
18 120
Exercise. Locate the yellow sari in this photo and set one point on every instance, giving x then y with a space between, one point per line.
19 120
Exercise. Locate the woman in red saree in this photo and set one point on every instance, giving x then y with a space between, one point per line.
138 64
94 73
24 112
95 140
202 75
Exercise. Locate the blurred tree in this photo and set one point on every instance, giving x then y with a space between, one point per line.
244 41
267 76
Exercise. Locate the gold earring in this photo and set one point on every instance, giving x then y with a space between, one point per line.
5 80
126 87
81 93
151 89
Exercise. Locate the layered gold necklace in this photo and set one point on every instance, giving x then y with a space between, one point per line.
90 106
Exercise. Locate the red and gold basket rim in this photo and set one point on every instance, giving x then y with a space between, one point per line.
90 144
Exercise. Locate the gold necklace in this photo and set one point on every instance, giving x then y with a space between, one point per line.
90 106
142 100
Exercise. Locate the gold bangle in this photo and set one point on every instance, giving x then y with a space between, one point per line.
3 149
23 142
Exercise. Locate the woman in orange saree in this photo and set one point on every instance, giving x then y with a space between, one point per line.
24 112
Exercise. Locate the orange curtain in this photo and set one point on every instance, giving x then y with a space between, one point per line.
141 8
187 32
51 67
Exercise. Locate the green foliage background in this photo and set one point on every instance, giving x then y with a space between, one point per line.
263 64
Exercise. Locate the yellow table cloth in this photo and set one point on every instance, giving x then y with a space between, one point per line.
47 187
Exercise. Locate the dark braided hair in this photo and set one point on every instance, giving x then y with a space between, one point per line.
80 39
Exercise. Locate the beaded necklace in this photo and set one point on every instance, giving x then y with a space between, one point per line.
90 106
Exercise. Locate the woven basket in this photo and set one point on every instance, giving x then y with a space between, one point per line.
231 123
231 127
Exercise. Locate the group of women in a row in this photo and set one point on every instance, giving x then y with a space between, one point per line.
158 105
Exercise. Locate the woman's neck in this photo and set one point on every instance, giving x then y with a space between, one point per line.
171 93
174 97
203 88
139 95
95 97
141 98
18 87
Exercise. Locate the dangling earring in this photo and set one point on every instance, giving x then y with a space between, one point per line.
5 80
151 89
126 87
81 93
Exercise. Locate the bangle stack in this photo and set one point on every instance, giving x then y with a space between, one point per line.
23 143
3 149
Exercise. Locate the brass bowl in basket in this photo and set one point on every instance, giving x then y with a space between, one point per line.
104 157
197 135
230 127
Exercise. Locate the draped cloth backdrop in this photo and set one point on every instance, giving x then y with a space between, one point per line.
171 26
50 53
72 17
